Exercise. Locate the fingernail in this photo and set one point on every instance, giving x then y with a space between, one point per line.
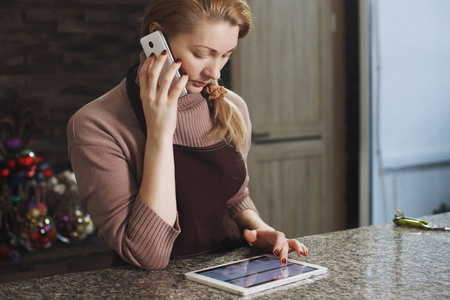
164 52
185 74
152 54
276 252
178 61
284 261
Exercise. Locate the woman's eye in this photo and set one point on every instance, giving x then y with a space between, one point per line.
199 55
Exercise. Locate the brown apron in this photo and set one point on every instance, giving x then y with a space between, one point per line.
206 178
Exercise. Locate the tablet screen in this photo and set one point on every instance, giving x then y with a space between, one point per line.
255 271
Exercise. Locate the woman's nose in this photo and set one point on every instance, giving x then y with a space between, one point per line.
212 70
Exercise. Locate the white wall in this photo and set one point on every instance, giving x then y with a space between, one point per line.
410 54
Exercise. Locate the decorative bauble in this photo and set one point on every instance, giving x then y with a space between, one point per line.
11 164
72 229
38 231
33 213
13 144
26 160
4 172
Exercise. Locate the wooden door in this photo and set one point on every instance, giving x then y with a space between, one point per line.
288 71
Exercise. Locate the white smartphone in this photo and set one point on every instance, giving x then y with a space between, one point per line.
156 43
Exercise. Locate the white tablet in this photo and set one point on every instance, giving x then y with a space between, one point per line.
255 274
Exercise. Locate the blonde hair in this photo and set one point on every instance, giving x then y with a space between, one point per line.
182 16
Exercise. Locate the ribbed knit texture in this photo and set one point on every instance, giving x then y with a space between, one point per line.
193 122
145 225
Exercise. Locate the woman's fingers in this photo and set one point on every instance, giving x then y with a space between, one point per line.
295 245
155 69
179 86
250 236
167 79
277 242
143 80
280 239
284 253
150 77
305 250
292 245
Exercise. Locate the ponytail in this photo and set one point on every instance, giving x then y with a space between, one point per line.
228 122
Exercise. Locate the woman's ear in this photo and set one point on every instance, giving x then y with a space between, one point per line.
154 26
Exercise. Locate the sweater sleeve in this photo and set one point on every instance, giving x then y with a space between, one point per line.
109 193
242 201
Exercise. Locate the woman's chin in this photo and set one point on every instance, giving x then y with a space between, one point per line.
193 89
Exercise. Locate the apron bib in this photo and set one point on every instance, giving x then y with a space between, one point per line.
206 178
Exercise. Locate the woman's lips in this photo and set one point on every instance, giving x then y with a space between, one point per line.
199 84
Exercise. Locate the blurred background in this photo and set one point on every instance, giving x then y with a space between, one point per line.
409 68
66 53
349 99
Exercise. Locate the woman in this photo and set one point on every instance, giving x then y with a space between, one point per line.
163 176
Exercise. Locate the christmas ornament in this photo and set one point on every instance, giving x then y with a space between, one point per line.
13 144
72 224
38 231
72 229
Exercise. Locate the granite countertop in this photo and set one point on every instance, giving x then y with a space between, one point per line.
375 262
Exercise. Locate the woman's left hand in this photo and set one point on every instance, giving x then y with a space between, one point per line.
276 242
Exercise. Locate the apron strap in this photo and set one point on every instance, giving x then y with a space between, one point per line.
133 92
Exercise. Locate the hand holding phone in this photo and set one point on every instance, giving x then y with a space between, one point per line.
156 43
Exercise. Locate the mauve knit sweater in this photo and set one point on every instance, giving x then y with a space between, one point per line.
106 149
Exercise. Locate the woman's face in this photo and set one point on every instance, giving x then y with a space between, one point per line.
204 52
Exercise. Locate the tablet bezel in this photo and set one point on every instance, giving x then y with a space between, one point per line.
235 289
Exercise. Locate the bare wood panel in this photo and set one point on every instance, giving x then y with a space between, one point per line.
290 74
303 183
292 198
278 68
286 184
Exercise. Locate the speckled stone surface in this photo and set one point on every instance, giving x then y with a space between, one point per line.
376 262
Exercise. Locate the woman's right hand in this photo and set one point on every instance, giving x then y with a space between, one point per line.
157 188
159 102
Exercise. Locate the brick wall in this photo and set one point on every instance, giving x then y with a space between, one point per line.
67 52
